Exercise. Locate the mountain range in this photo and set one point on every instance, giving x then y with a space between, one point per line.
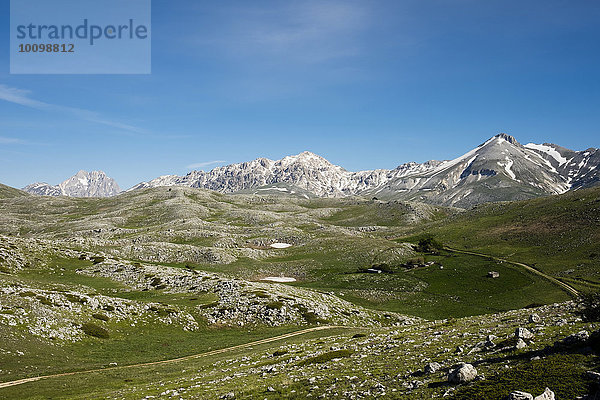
501 169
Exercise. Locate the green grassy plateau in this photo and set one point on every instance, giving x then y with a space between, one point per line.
101 286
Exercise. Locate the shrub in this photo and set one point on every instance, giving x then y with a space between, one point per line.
383 267
261 294
312 318
279 353
73 298
590 304
209 305
274 305
429 245
155 281
94 330
45 301
359 335
416 261
97 260
101 317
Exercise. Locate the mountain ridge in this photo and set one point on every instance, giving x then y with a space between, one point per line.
499 169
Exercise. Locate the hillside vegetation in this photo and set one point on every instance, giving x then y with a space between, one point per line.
558 235
107 288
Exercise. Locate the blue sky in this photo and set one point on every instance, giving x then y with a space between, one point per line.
366 84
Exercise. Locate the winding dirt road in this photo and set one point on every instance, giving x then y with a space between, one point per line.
174 360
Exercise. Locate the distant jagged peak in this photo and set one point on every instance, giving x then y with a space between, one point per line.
510 139
82 184
305 156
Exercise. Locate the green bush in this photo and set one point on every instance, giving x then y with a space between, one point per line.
279 353
155 282
416 261
94 330
261 294
383 267
429 245
312 318
45 301
590 307
97 260
274 305
73 298
209 305
101 317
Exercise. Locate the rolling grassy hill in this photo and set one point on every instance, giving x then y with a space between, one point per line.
162 273
558 235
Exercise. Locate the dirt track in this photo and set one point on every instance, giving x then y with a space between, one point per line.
569 289
173 360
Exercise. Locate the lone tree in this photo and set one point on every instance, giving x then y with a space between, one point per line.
429 245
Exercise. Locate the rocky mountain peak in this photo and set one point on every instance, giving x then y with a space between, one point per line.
82 184
510 139
306 157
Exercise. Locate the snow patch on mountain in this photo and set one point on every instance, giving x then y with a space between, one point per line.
552 152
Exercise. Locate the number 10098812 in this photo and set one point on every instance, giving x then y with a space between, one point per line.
47 48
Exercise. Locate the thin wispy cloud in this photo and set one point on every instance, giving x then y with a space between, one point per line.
308 32
10 140
287 49
23 97
311 32
204 164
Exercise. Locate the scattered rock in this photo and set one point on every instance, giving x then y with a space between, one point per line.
574 339
432 367
535 319
547 395
462 374
489 341
493 274
523 333
518 395
520 344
